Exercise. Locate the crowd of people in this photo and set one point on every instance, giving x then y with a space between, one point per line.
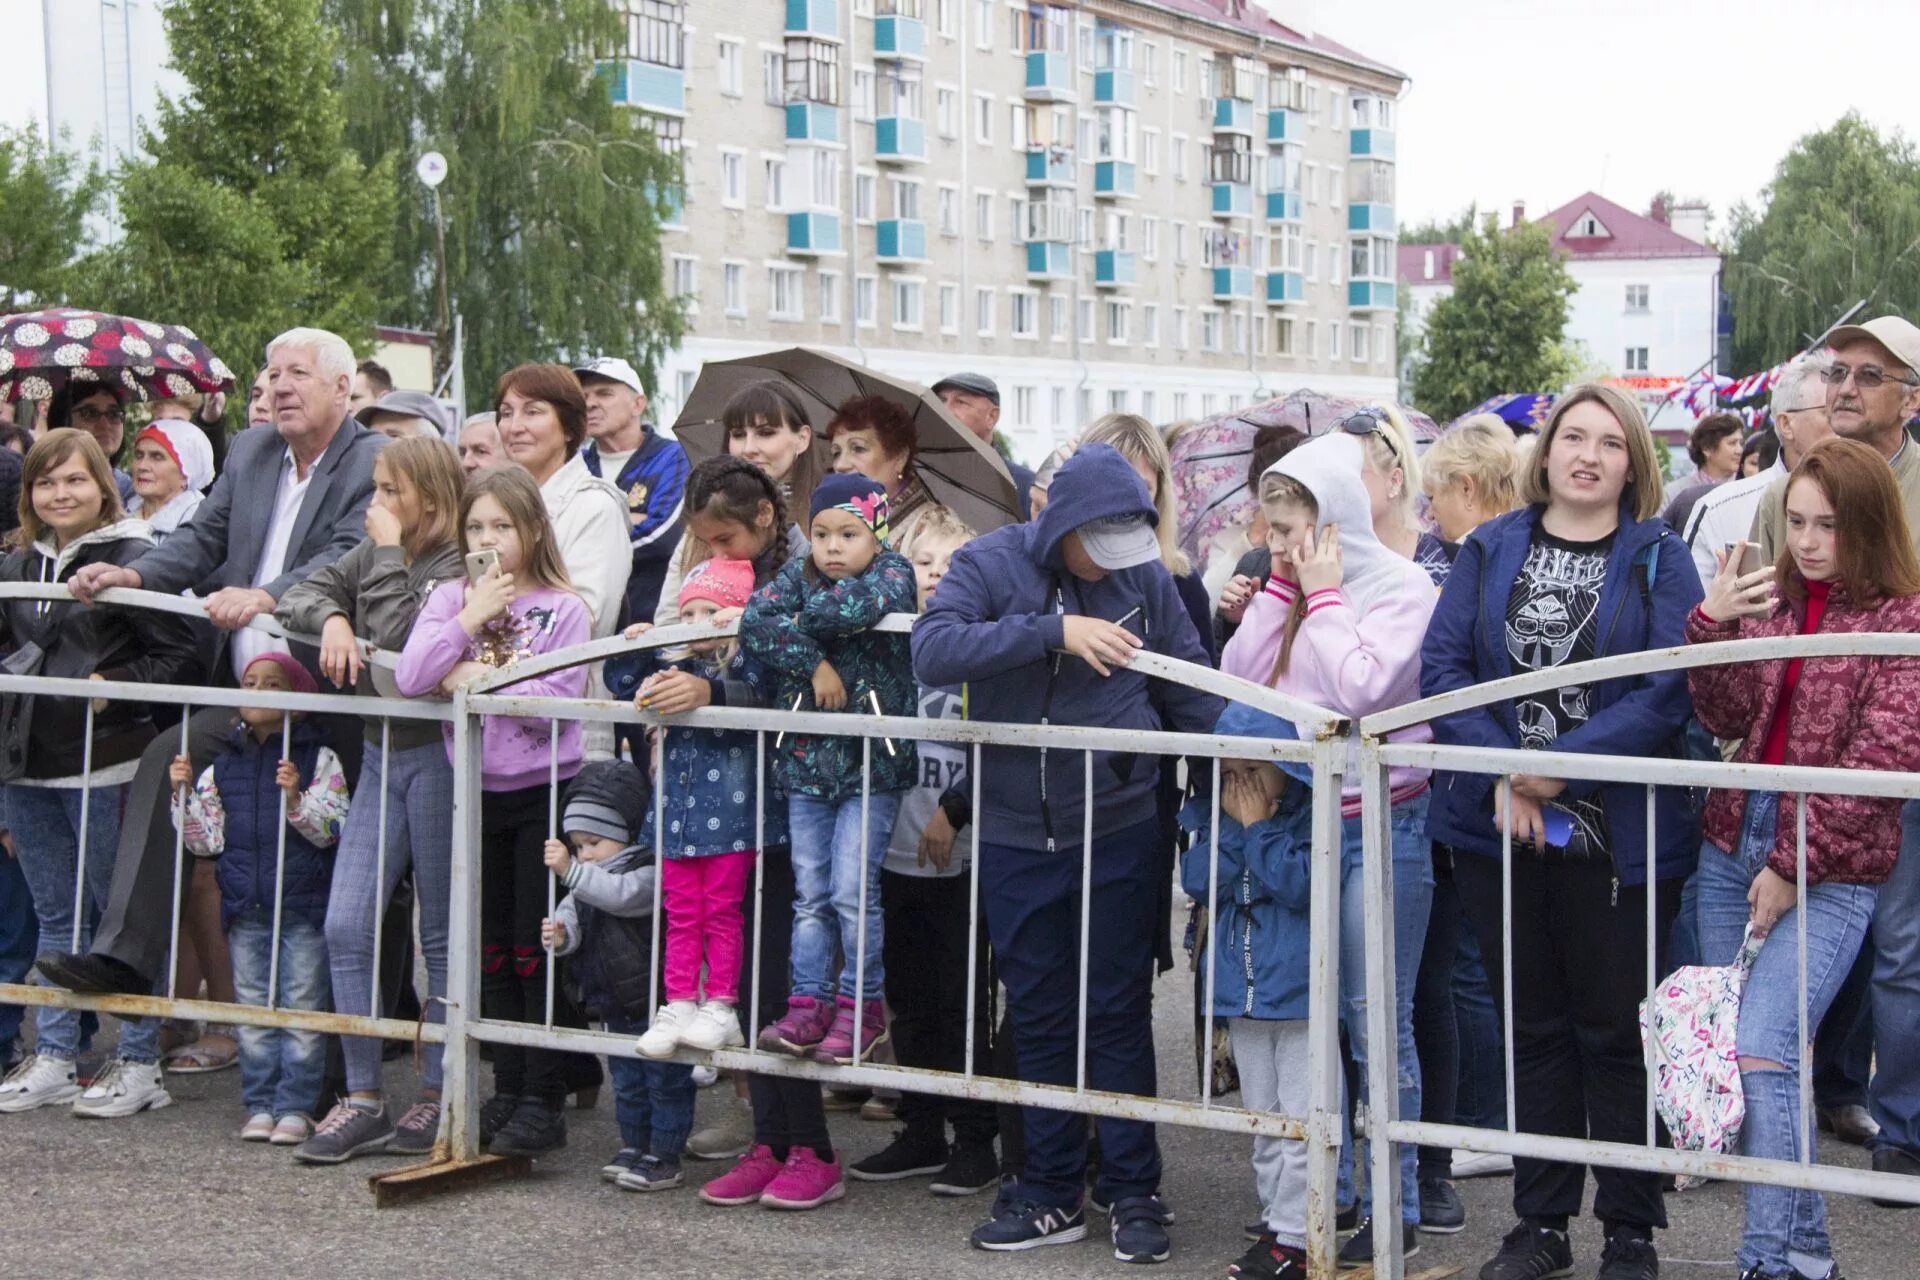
361 519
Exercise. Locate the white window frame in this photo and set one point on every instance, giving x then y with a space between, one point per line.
1087 318
867 208
1121 310
733 286
1150 150
792 280
773 172
983 215
1358 344
1149 324
1177 156
688 297
1056 318
949 308
829 297
987 306
1023 398
915 288
1150 238
730 60
983 21
983 119
1210 330
1179 70
869 286
733 177
947 206
946 110
1636 361
1029 300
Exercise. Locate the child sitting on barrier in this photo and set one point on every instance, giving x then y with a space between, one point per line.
813 624
604 927
708 795
1254 874
269 808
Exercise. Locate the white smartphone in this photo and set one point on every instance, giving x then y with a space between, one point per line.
479 562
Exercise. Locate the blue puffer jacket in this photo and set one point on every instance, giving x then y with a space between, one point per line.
708 785
1649 590
1260 938
245 869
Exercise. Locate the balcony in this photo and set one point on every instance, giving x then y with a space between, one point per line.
817 18
899 240
899 140
1370 144
1285 126
1283 206
1050 167
1377 218
899 38
1113 87
1048 260
1370 295
1113 179
647 86
812 122
810 234
1232 284
1114 269
1232 115
1232 200
1049 77
669 204
1285 287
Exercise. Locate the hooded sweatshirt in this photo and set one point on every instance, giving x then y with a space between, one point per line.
1358 648
997 624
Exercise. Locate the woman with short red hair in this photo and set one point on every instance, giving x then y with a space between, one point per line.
873 436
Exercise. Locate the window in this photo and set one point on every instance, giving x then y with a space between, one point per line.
1230 159
1179 335
1333 339
1283 335
983 24
1117 400
783 293
1636 359
1150 238
1149 63
1587 226
1025 319
1179 70
949 211
1017 126
1086 48
1085 229
1150 324
776 183
1119 319
686 276
1179 405
1310 184
1312 347
864 185
773 77
1057 398
866 300
983 312
946 108
863 93
813 71
733 279
1313 260
1179 244
983 216
946 17
1056 321
906 199
1208 403
900 95
1357 343
1150 150
656 31
1177 157
823 171
733 179
730 77
1086 404
1209 330
1237 325
1023 406
949 308
1017 211
1209 248
908 304
1086 319
830 297
683 384
1086 139
1259 335
983 118
1636 297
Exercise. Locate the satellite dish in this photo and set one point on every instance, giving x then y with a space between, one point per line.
431 169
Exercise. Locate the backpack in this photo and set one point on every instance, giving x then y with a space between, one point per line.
1688 1029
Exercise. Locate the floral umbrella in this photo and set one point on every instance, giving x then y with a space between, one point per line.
42 351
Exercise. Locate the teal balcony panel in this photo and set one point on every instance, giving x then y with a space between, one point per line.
1232 200
812 122
1283 206
899 37
670 204
813 233
1232 115
647 86
900 139
1051 167
1377 218
900 240
1370 295
1232 283
820 18
1285 287
1048 260
1114 178
1114 268
1049 76
1370 144
1284 125
1113 87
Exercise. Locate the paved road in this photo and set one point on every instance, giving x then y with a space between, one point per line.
173 1194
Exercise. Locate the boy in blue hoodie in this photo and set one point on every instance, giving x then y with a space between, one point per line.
1040 621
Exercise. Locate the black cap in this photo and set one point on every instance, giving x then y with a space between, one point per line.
974 384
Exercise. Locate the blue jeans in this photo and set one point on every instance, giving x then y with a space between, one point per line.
830 886
1412 899
46 838
280 1071
1896 994
19 938
1784 1226
652 1101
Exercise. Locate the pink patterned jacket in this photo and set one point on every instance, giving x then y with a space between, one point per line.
1848 713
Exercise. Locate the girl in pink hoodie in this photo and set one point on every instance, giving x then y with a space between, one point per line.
1339 624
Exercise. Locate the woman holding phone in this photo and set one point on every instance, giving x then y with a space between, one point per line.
1585 570
1848 566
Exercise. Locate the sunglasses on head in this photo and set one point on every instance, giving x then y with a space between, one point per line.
1370 422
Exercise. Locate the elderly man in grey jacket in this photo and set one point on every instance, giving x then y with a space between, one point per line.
292 499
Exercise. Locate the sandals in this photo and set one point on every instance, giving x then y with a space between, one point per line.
199 1058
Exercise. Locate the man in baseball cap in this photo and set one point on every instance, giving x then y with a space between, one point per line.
646 467
974 401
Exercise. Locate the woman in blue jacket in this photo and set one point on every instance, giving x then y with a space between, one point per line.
1585 570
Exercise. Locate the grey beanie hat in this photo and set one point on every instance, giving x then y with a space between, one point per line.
607 798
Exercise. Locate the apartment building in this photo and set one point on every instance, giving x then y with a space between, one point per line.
1168 207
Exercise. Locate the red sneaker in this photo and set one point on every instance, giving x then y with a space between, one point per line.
743 1183
804 1182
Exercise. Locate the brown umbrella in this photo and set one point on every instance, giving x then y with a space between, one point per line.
957 468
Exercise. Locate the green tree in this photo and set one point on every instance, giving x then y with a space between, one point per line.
1444 230
1841 223
252 214
553 194
47 193
1501 328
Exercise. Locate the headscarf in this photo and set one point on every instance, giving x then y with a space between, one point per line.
187 445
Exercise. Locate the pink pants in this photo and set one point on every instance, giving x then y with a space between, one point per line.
702 898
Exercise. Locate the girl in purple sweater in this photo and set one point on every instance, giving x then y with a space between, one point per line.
521 607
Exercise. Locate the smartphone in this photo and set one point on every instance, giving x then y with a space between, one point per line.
478 562
1750 559
1558 825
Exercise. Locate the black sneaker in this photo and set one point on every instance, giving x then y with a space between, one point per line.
651 1173
1530 1252
970 1169
1156 1202
1358 1250
623 1160
908 1156
1267 1260
1344 1221
534 1129
1139 1227
92 974
1025 1224
1441 1213
1628 1256
415 1132
494 1114
1895 1160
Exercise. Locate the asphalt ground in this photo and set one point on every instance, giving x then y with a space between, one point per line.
174 1194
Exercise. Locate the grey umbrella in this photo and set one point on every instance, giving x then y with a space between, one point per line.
958 469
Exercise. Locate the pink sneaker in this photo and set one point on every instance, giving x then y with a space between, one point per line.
743 1183
805 1022
837 1047
804 1182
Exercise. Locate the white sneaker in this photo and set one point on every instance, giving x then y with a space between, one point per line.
123 1089
291 1131
715 1026
705 1076
258 1128
39 1081
663 1037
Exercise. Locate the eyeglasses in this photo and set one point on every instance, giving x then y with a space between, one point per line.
87 413
1866 377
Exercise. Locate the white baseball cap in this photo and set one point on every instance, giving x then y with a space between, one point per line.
1896 334
613 369
1120 542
